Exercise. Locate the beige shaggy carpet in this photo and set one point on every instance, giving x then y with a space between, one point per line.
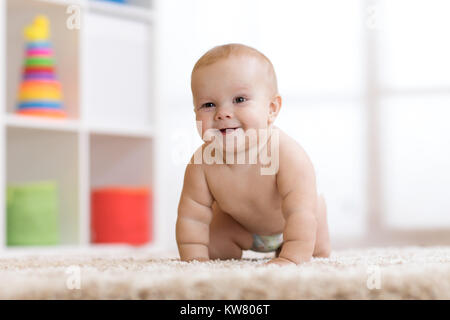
373 273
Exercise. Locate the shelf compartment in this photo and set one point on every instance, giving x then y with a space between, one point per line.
65 43
117 47
122 162
40 155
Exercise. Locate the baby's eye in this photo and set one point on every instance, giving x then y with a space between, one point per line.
239 99
208 105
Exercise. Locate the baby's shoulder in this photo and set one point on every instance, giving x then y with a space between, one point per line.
197 156
287 144
201 159
291 152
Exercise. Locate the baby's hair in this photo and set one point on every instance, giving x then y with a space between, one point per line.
235 49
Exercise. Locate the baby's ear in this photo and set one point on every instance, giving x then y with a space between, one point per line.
274 108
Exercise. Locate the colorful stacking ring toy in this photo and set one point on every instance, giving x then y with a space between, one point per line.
40 91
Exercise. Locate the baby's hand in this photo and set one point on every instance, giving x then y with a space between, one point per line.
281 262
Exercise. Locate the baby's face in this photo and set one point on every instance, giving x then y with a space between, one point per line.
232 93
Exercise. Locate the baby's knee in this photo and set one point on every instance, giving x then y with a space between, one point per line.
225 252
221 246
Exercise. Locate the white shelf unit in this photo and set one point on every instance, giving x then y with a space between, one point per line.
109 137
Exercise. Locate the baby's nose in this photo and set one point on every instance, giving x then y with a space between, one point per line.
223 113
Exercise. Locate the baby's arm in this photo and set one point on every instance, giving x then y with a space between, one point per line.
297 186
194 215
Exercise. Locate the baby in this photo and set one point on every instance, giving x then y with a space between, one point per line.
228 206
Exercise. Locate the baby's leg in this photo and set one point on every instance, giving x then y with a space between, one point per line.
323 246
227 238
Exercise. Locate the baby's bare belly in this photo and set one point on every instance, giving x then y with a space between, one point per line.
260 220
257 208
252 199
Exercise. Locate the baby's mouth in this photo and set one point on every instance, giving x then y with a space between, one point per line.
226 131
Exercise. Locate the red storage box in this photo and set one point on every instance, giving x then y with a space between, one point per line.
121 215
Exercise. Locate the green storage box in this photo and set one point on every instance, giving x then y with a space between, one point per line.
32 214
